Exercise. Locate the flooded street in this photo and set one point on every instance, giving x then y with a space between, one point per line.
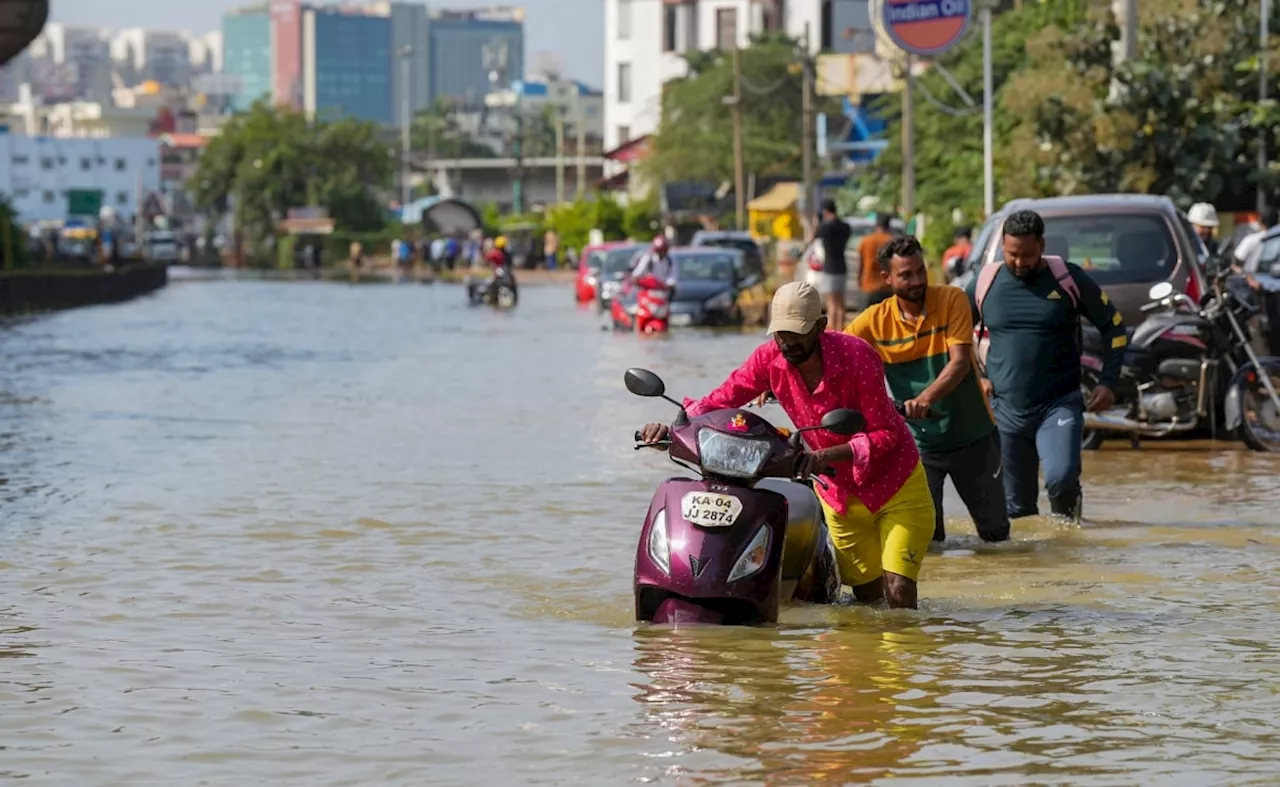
303 533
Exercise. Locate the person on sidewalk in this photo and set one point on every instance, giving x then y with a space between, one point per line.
924 334
834 233
872 289
1031 305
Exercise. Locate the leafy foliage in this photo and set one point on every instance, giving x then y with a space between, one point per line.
436 129
271 159
693 139
1182 118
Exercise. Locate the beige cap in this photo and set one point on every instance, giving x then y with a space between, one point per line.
796 308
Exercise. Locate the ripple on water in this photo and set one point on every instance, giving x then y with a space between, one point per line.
260 532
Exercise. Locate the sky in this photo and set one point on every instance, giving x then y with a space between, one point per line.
571 29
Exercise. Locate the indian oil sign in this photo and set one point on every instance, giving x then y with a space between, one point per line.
926 27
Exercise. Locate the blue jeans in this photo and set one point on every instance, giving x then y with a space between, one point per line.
1052 437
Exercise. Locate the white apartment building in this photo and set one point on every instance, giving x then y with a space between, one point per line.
645 38
206 53
37 172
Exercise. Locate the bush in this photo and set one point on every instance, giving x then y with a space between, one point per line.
642 219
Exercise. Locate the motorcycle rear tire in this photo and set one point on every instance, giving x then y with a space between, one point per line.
1248 435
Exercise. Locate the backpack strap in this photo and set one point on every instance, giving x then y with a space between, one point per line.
1062 275
986 277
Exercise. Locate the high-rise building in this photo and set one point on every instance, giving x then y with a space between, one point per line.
155 55
70 62
409 42
246 55
346 64
475 51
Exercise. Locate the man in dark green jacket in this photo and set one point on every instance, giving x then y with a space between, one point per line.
1033 364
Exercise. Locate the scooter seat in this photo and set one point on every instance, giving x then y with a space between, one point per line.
805 529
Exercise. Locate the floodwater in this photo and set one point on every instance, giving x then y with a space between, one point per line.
321 534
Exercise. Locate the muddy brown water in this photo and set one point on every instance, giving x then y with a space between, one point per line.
297 533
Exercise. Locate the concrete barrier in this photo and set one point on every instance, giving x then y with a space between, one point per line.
27 291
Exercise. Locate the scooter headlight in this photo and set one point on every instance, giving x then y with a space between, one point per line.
726 455
659 546
753 557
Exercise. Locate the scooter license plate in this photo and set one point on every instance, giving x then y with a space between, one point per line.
709 509
682 319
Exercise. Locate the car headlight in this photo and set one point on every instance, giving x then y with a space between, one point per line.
726 455
610 287
722 301
589 279
753 557
659 546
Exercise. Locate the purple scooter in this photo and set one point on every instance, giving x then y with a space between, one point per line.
732 545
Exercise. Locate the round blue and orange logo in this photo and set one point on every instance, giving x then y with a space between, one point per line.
926 27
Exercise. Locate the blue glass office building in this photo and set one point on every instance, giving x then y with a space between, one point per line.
458 42
346 65
246 54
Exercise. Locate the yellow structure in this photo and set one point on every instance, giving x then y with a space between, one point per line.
774 213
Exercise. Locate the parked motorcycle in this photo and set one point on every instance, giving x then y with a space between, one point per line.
499 291
648 311
1183 364
732 545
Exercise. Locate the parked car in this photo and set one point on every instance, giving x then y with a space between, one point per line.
590 262
708 283
1126 242
615 262
752 255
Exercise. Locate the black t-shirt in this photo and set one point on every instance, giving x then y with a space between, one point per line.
834 235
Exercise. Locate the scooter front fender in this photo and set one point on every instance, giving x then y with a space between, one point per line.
700 560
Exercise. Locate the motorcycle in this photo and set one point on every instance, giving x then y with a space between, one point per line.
499 291
745 537
650 311
1184 364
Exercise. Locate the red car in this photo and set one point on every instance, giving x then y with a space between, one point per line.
601 269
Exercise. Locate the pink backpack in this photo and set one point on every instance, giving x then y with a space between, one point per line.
987 276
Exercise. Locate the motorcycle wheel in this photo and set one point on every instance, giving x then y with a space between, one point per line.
506 297
1093 438
1260 424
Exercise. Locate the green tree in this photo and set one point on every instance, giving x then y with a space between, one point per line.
693 140
436 129
947 133
271 159
1181 118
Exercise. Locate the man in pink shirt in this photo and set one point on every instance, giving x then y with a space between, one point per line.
878 506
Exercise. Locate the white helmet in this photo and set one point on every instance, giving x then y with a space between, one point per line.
1202 214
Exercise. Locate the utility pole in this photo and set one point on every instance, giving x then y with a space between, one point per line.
988 148
582 142
1263 33
908 146
405 52
739 185
560 155
517 185
806 157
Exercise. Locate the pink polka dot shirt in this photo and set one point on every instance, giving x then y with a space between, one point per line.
885 453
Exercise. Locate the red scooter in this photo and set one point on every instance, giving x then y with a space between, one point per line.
646 312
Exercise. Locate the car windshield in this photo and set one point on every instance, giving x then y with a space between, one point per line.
615 261
745 245
704 267
1114 249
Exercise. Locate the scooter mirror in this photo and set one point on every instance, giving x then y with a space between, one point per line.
643 382
1160 291
844 422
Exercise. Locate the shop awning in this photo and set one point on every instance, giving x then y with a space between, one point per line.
779 199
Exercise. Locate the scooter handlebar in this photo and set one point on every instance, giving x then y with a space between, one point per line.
640 443
901 407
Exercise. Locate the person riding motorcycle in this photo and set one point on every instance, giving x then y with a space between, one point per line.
499 256
656 262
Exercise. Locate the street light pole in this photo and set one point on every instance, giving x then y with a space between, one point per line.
1264 25
405 52
988 150
806 152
